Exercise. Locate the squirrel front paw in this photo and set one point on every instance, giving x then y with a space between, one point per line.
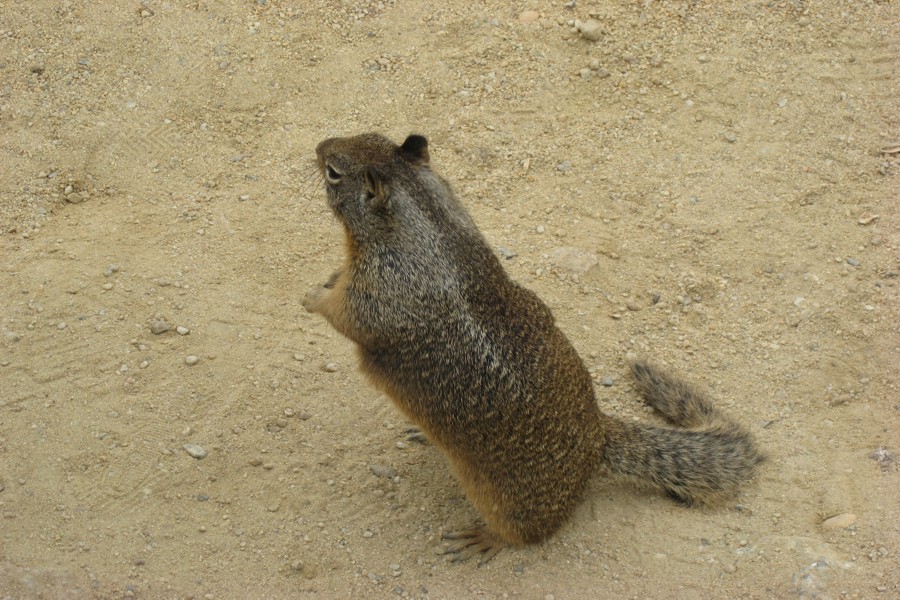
314 297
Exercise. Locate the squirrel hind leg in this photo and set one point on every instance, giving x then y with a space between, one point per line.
475 541
678 401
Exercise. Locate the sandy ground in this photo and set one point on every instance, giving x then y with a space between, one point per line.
716 190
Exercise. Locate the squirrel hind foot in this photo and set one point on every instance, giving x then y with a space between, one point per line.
683 500
475 541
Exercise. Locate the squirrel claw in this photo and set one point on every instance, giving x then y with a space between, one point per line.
472 542
414 434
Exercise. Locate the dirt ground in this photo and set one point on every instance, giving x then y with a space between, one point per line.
711 184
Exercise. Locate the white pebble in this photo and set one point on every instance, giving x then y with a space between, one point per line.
332 367
191 360
182 330
196 451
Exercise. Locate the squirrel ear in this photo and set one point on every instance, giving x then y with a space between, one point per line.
415 150
377 188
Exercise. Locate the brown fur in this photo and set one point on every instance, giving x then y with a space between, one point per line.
477 362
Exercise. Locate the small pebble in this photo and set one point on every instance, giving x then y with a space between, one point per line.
507 253
529 16
107 286
331 367
61 326
191 360
882 456
852 262
590 30
841 521
182 330
158 326
75 198
564 166
607 381
110 270
195 450
730 137
383 471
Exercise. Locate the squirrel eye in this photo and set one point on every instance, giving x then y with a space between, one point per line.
332 174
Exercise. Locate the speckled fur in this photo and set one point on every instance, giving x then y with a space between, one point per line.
477 362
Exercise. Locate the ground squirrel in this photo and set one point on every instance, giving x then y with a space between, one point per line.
477 362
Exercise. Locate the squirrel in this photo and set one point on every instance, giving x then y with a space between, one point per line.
478 364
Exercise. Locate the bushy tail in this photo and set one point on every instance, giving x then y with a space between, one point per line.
703 463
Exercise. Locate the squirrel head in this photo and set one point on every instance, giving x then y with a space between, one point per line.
362 172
